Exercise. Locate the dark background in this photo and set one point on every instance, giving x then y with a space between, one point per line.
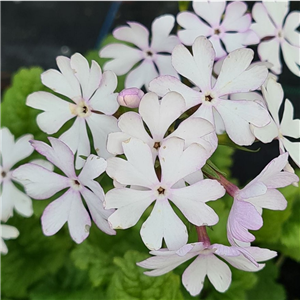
34 33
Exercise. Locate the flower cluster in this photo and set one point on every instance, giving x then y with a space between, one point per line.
157 149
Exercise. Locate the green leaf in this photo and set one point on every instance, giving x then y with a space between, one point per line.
16 115
129 282
183 5
31 256
267 287
225 140
222 158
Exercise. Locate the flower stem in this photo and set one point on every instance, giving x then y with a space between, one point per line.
203 236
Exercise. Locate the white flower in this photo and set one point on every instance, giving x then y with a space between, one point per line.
138 170
159 115
93 102
7 232
260 193
206 264
235 77
12 152
233 30
41 183
152 56
273 94
277 31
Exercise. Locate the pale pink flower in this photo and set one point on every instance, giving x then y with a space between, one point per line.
41 183
206 263
260 193
154 57
92 102
277 30
138 170
236 76
159 115
273 95
233 30
12 152
7 232
130 97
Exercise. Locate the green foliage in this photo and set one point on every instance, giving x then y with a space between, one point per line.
18 117
183 5
222 158
31 257
129 283
266 286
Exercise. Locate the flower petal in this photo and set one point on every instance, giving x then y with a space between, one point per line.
288 126
163 223
294 149
14 151
290 32
164 65
277 11
291 57
130 205
39 182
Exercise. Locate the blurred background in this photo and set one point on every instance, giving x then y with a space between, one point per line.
34 33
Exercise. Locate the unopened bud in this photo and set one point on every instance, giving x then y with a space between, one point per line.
130 97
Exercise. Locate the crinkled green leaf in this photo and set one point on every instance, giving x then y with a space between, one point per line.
18 117
129 282
91 258
31 256
266 286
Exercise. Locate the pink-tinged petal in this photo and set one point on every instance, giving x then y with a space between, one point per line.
261 254
294 149
263 26
273 94
164 262
288 126
243 216
277 11
39 182
160 114
43 163
233 41
196 68
164 84
101 126
141 75
222 250
192 130
193 277
59 83
79 221
194 177
164 65
163 223
292 22
272 199
291 57
270 51
235 76
14 151
13 198
56 111
211 12
243 263
135 33
205 111
253 189
97 211
57 212
161 28
105 100
59 154
130 205
193 27
94 166
235 18
218 273
124 58
242 112
219 49
137 169
190 200
267 133
176 163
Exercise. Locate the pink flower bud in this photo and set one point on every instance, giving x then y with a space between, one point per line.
130 97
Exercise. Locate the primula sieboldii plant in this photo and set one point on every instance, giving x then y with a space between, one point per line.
184 95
